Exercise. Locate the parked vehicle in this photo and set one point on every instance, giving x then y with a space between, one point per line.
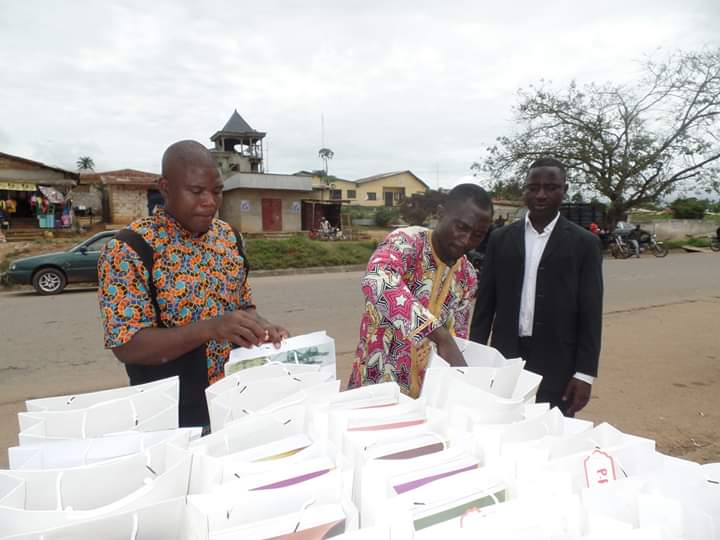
657 248
51 272
715 243
333 233
619 248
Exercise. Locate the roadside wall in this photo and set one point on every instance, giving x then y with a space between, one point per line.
679 229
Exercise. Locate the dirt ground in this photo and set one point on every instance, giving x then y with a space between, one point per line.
659 374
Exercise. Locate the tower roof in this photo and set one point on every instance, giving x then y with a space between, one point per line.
237 126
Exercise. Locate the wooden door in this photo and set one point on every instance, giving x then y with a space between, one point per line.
388 198
272 215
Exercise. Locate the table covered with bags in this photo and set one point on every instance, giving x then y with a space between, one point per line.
291 456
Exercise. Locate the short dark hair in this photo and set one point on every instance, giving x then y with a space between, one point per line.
549 162
464 192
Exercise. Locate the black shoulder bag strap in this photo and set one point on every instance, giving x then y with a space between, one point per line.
147 256
241 251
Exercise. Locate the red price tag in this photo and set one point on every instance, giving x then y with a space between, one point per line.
599 469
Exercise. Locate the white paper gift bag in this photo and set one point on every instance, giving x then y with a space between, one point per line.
232 511
496 440
316 349
77 452
154 409
374 419
475 355
170 386
594 457
91 486
500 381
445 500
365 397
255 396
467 405
81 488
259 373
212 451
160 521
523 519
527 386
384 477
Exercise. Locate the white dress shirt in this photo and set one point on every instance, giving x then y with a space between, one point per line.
535 243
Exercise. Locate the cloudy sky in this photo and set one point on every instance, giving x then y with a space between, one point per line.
401 84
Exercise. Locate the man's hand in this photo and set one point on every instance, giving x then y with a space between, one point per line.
273 333
577 393
446 347
240 327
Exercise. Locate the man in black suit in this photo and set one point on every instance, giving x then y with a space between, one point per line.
541 293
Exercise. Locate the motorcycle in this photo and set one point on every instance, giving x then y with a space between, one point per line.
715 243
619 248
657 248
333 233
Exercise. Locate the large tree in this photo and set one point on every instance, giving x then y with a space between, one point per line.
416 209
632 144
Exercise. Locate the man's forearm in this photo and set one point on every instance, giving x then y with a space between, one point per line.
156 346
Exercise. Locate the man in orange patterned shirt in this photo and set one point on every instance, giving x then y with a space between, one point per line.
184 314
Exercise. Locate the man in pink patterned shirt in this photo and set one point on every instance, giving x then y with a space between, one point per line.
418 289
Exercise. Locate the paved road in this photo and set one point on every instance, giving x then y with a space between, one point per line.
53 345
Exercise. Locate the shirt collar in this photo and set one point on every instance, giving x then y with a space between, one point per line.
174 225
548 228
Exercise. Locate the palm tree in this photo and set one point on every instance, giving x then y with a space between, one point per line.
326 154
85 163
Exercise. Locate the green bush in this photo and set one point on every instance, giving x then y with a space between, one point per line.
301 252
385 215
689 208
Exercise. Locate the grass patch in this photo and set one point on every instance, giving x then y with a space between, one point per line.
701 242
301 252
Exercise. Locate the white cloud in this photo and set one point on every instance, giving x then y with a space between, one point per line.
420 85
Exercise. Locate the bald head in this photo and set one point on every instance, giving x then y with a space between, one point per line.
184 155
191 185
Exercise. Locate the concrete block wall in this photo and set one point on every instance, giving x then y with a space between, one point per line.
127 203
89 196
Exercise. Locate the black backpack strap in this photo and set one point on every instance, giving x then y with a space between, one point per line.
147 256
241 250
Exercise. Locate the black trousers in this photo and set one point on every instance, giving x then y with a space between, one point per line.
543 396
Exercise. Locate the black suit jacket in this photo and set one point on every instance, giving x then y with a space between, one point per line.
568 301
